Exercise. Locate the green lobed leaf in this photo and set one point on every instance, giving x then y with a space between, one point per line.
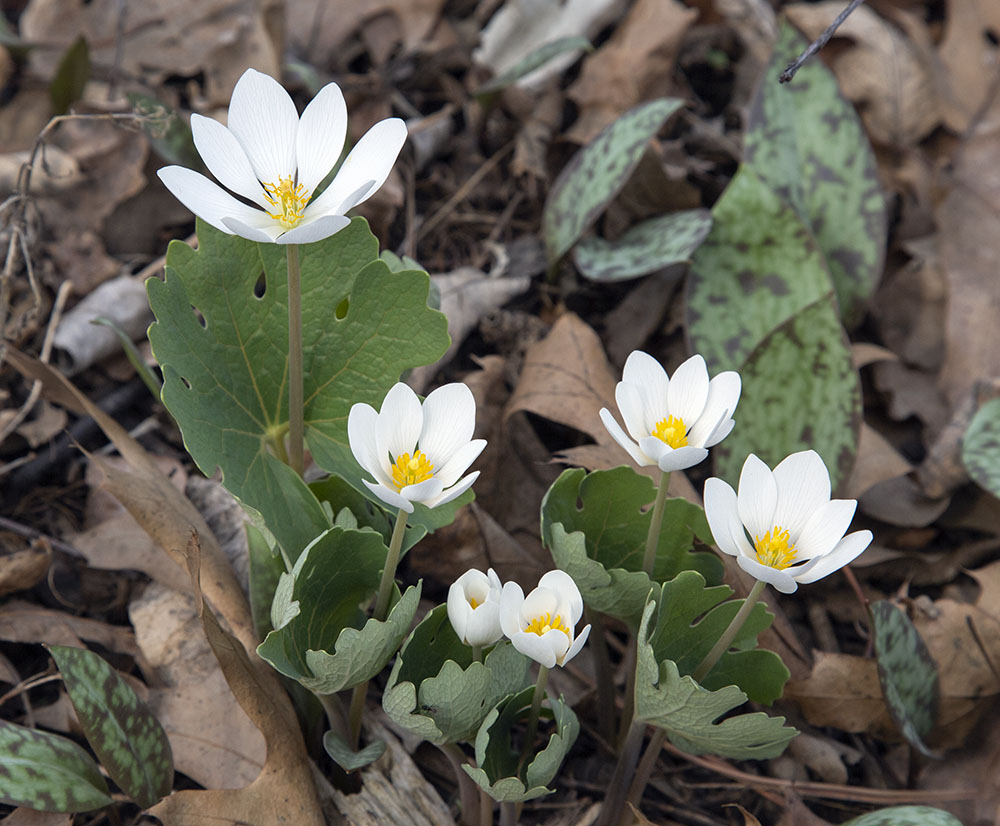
320 636
907 672
347 758
800 390
598 172
981 447
757 268
645 248
607 507
687 712
126 737
905 816
535 60
806 142
226 382
692 617
438 693
47 772
70 79
266 568
497 760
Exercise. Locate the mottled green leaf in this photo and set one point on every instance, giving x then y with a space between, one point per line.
225 381
47 772
757 268
981 447
126 737
169 133
806 142
800 390
71 76
497 759
437 692
347 758
535 60
688 713
320 636
905 816
907 672
645 248
598 172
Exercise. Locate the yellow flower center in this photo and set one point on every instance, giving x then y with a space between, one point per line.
412 471
546 622
289 201
474 603
671 431
773 549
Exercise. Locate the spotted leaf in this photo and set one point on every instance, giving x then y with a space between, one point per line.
981 447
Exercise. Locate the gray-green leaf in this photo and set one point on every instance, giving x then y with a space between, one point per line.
347 758
981 447
905 816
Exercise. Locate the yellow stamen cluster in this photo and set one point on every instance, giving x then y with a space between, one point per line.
409 470
546 622
289 201
671 431
773 549
474 603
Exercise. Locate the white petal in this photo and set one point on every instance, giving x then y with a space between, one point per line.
454 491
688 390
642 370
847 550
425 491
313 229
451 470
564 585
681 458
320 138
722 513
361 423
633 404
626 443
225 158
511 601
825 528
371 159
205 198
495 585
539 601
757 497
449 421
253 231
723 396
484 624
654 448
574 649
536 647
803 487
263 119
459 609
390 497
399 424
781 580
722 429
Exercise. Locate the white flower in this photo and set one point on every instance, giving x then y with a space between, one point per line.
274 159
796 530
541 625
417 453
474 607
672 422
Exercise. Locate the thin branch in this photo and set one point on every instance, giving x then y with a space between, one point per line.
818 43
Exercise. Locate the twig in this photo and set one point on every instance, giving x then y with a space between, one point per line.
33 533
818 43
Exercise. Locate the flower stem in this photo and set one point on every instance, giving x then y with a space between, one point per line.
614 803
730 633
655 524
604 677
381 610
477 653
471 805
296 413
536 707
645 770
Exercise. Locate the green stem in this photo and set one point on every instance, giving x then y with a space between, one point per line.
466 787
646 764
603 676
655 525
628 705
477 653
536 707
730 633
508 813
334 711
355 713
296 413
485 809
614 803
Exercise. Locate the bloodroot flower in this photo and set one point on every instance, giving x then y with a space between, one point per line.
541 625
474 607
417 452
275 160
796 531
672 421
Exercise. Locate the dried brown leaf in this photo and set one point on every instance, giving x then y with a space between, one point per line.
24 568
24 622
969 60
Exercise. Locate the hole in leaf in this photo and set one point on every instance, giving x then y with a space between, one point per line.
201 319
261 286
341 310
185 382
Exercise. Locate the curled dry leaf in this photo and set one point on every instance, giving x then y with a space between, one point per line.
883 72
969 58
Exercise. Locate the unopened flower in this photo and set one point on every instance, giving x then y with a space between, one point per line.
274 159
542 625
474 607
782 527
417 452
672 421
